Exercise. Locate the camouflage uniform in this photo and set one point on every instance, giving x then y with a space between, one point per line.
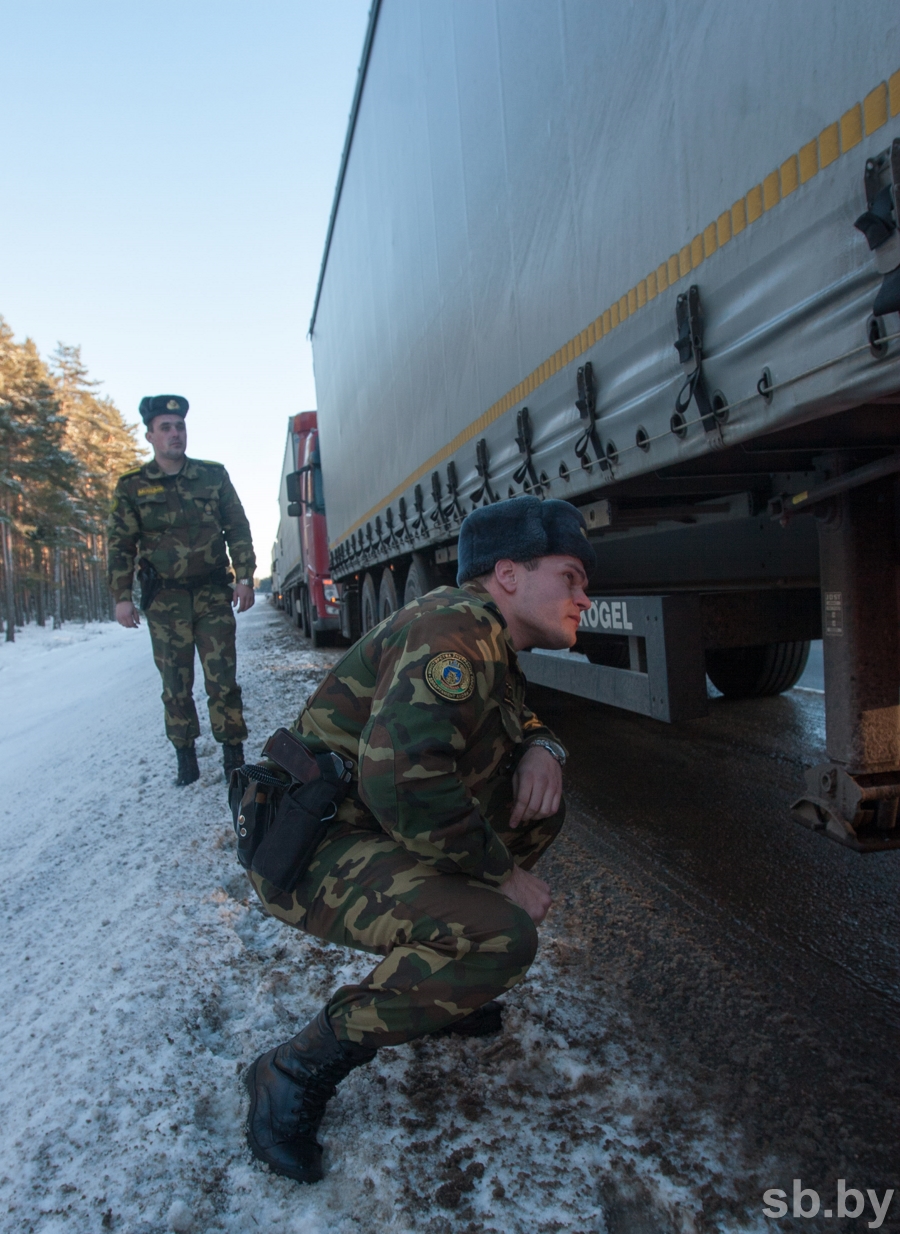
181 525
410 868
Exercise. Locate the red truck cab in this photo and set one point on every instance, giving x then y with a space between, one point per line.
300 557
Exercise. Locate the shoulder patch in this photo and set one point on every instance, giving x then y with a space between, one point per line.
450 676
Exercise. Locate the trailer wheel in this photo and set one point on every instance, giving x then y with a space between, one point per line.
368 605
756 672
387 595
420 580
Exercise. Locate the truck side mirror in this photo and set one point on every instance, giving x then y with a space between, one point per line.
293 488
294 509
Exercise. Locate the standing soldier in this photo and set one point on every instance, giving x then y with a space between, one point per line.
456 791
173 517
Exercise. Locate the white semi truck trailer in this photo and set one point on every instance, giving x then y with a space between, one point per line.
643 257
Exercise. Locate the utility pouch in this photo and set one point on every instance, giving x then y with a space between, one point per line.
279 825
298 828
151 582
253 795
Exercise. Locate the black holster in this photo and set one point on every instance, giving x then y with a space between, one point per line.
280 820
151 582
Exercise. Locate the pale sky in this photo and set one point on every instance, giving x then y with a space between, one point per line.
168 172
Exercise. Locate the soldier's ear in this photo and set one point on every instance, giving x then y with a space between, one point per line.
505 573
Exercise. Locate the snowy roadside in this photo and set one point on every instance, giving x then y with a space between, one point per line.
141 980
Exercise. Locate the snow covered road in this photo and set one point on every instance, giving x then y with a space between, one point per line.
140 980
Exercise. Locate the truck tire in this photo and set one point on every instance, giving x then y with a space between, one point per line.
297 608
308 630
756 672
420 580
387 595
368 605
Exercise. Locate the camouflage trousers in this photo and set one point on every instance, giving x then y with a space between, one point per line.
448 943
179 621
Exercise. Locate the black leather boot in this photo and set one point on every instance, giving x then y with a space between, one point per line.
289 1088
188 771
484 1021
232 757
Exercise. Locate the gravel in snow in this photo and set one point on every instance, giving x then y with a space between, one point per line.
140 979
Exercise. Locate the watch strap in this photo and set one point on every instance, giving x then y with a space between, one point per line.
551 747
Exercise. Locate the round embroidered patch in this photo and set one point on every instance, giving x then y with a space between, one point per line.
450 676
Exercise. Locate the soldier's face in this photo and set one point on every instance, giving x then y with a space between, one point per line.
547 602
168 437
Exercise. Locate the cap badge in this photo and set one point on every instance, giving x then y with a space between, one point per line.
173 405
450 676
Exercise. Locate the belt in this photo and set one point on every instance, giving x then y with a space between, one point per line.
221 577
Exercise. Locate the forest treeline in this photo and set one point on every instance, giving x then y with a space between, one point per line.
62 447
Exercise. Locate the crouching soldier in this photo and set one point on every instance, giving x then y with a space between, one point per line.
456 791
173 517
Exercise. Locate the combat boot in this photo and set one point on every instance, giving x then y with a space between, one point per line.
188 771
484 1021
289 1089
232 757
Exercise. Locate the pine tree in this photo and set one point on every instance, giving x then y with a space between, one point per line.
61 448
104 446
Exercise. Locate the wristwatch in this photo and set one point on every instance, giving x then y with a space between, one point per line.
552 747
245 582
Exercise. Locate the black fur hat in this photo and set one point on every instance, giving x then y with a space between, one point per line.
159 404
521 528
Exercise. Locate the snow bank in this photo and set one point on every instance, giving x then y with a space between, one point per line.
141 980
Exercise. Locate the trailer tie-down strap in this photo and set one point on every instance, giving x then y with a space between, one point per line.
587 409
689 345
403 533
525 474
482 466
437 514
419 503
454 506
391 536
879 224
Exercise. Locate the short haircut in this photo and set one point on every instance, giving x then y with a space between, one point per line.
531 564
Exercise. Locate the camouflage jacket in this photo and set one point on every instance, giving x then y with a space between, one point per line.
430 708
180 524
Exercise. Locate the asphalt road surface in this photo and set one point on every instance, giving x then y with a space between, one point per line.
758 958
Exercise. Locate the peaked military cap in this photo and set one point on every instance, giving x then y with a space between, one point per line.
159 404
520 529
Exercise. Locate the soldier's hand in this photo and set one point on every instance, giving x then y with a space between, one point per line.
529 892
243 597
127 615
537 786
